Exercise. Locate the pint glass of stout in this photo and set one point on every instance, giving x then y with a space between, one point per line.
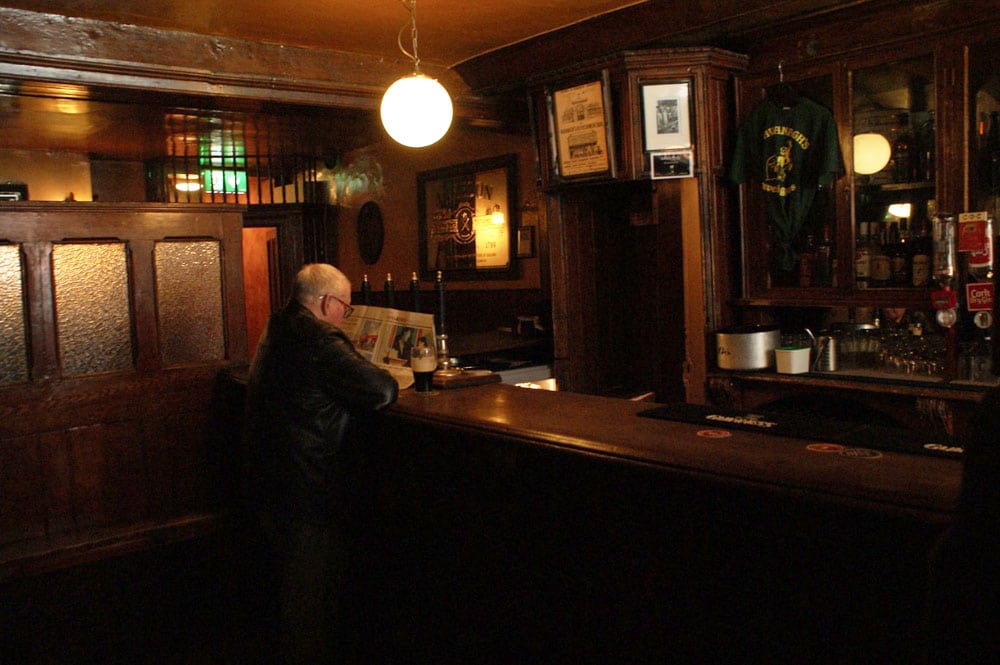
423 362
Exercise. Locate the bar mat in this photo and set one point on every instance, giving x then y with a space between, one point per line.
816 428
445 379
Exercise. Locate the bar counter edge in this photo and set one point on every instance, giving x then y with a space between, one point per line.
923 487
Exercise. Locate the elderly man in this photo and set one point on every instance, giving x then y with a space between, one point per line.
308 388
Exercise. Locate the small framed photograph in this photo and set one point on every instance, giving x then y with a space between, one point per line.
526 242
671 164
666 116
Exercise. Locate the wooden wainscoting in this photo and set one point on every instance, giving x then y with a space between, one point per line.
98 462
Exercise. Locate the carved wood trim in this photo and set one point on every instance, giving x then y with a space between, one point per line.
54 48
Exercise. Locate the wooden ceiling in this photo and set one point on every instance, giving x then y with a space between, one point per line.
450 31
491 46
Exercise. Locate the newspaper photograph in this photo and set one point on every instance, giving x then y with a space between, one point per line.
385 337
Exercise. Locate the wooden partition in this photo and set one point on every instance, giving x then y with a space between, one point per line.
127 313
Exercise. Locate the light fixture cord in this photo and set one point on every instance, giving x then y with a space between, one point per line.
411 7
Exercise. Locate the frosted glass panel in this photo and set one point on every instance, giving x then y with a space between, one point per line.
92 307
13 351
189 301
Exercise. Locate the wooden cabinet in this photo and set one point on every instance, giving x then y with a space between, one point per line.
845 243
634 298
621 77
882 73
922 76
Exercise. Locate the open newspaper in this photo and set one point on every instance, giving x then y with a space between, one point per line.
385 336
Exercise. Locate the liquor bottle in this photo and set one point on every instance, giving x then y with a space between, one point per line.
979 263
902 150
824 259
807 262
920 253
943 242
881 264
863 257
977 296
898 256
927 144
989 168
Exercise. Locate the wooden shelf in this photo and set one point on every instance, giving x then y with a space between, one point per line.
826 299
889 383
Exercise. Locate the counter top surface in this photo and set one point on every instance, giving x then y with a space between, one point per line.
492 341
609 427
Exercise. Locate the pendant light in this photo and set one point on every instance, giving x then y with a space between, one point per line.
416 110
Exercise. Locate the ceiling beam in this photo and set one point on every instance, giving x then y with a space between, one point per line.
54 48
649 25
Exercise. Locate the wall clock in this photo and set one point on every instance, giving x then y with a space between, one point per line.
371 232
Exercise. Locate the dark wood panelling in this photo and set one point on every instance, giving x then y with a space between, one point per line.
94 464
22 499
56 485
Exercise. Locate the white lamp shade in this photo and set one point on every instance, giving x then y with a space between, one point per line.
416 111
871 153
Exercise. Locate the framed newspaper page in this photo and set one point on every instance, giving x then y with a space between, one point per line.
666 116
580 128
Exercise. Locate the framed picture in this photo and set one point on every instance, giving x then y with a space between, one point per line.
580 129
526 242
467 214
671 164
666 116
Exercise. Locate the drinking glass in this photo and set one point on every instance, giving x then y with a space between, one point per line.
423 362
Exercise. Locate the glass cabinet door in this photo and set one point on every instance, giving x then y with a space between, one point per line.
791 231
984 158
894 167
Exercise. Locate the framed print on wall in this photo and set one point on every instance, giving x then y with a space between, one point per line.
580 128
467 215
666 116
671 164
526 242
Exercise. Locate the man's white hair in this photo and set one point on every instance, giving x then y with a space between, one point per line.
318 279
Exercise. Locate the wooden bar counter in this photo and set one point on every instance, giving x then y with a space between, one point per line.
502 525
610 428
540 526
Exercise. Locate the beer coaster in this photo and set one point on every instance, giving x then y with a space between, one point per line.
825 447
860 453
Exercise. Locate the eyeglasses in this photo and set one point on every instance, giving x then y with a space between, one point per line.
348 310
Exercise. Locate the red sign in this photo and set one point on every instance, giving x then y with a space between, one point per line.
979 296
972 235
944 299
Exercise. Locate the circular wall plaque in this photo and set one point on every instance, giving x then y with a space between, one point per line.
371 232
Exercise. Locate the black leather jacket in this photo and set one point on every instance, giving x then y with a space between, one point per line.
307 387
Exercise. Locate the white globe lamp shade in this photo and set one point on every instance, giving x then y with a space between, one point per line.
871 153
416 111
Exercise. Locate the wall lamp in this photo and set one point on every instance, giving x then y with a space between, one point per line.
871 153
